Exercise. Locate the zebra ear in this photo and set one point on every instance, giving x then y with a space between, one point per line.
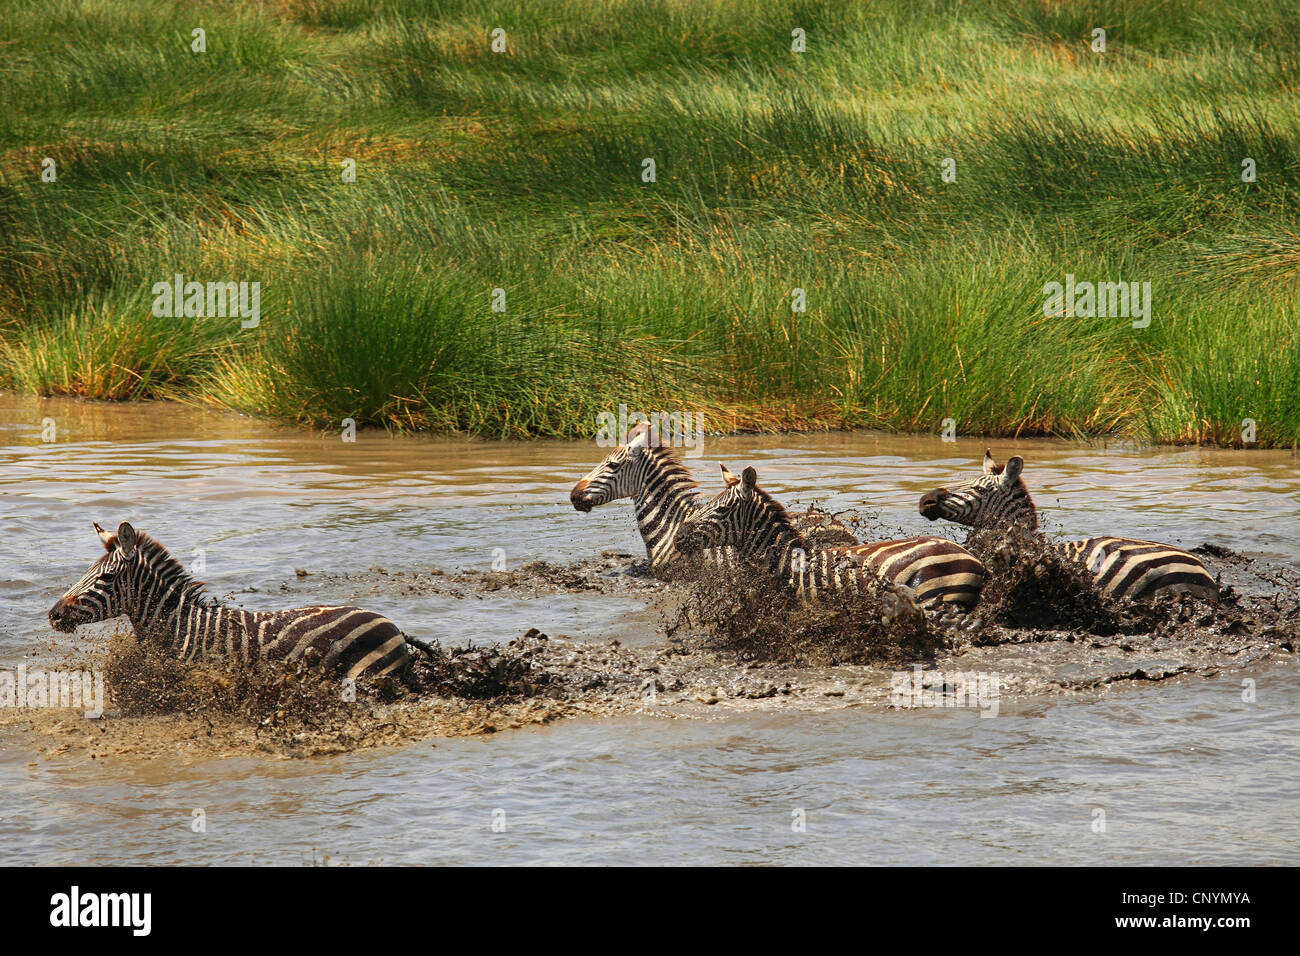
748 481
126 539
104 536
1012 471
728 478
641 433
989 463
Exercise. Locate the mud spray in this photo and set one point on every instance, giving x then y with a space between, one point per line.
731 641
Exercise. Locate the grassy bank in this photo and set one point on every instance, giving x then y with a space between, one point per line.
522 171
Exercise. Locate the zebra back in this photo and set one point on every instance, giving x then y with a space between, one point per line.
941 572
1133 569
342 641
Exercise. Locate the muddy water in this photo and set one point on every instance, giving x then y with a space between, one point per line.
1184 770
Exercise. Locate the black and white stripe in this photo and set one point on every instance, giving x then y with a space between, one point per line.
664 495
939 572
137 577
1121 567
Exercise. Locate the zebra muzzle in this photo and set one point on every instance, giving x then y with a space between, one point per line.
932 504
60 618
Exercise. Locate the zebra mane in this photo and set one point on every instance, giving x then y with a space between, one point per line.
780 515
1023 489
167 565
669 460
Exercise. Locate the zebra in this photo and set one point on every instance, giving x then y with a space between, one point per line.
664 494
941 573
138 577
1121 567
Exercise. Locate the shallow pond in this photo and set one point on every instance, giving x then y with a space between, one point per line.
1184 771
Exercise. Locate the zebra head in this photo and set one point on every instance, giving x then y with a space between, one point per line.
621 475
735 517
103 591
998 496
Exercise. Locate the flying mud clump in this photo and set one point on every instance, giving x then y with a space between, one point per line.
143 680
741 612
1030 584
1034 594
486 672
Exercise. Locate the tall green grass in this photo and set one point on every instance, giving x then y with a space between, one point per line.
775 171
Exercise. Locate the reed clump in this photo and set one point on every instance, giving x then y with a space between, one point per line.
503 264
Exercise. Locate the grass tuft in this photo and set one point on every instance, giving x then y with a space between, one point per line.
775 171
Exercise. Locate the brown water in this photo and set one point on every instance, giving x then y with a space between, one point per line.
1185 771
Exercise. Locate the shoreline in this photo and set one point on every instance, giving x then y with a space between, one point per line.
198 406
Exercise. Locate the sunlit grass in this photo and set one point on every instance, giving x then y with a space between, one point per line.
775 171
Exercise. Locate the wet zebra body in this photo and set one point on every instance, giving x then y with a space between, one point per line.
938 571
941 572
1133 569
137 577
349 641
1121 567
664 495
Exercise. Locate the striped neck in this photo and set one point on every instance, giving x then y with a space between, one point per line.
161 594
773 540
987 503
1014 507
667 496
